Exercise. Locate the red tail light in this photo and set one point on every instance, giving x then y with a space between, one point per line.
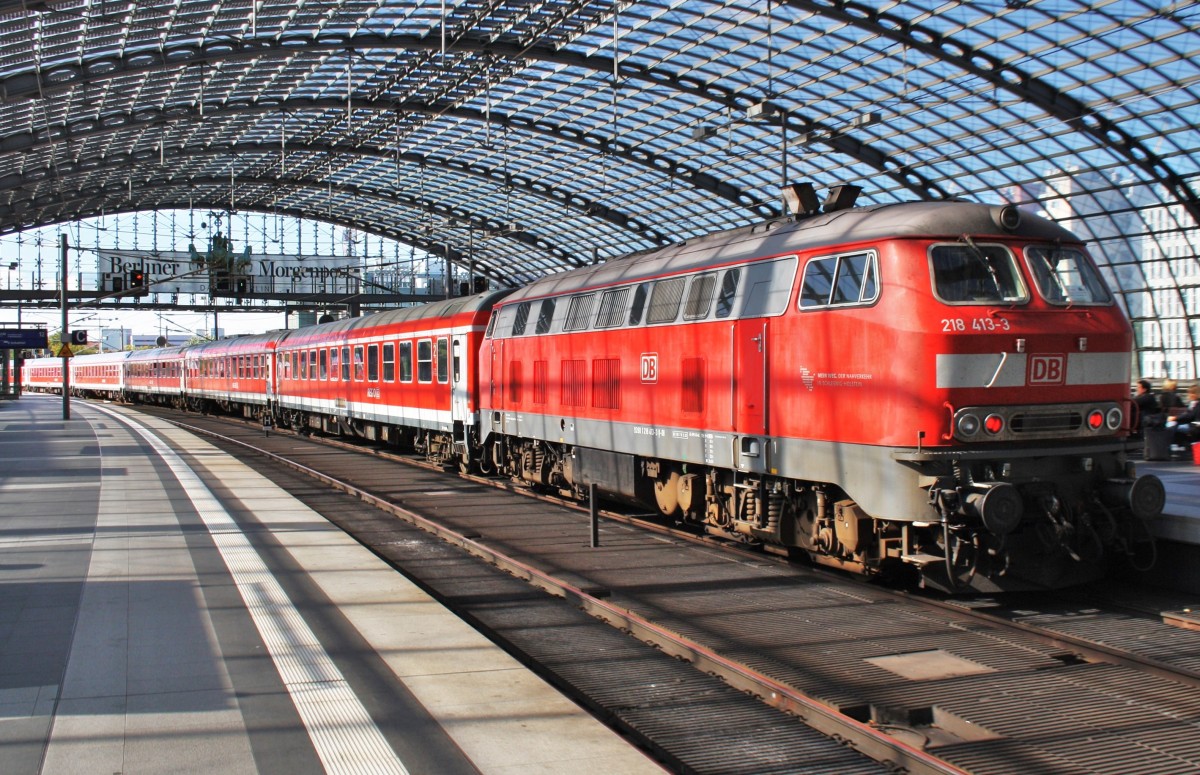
1095 419
993 424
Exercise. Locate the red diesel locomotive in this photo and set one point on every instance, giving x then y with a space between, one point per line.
938 389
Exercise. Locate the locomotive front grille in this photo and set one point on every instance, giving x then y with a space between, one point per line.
1059 422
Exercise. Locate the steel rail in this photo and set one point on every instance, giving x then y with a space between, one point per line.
862 737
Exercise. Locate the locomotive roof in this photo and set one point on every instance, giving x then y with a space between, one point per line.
948 219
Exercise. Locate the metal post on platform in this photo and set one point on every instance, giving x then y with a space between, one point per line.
65 336
593 514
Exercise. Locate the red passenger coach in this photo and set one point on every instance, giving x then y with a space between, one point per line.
938 388
101 375
156 376
405 375
42 375
234 374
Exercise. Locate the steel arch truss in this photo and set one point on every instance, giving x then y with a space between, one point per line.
562 132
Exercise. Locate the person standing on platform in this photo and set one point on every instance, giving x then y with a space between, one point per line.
1149 411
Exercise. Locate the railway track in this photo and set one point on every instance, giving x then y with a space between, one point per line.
916 684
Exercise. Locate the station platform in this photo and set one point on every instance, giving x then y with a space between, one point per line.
1180 520
153 622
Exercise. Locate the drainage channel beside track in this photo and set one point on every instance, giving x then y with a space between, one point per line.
917 687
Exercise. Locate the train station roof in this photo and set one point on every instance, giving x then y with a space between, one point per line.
529 136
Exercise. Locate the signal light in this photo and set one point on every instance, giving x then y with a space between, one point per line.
136 282
1095 419
1113 418
993 424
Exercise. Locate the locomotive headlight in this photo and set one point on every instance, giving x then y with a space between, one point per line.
1095 419
968 425
1114 418
993 424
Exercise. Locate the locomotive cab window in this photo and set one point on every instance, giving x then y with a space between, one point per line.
833 281
1066 276
972 273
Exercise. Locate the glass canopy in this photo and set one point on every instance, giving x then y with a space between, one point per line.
522 137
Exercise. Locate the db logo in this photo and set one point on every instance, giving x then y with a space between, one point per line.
649 367
1047 370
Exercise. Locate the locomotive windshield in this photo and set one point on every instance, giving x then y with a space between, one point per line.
1066 276
970 273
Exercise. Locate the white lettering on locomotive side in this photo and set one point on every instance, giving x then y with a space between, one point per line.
839 379
649 367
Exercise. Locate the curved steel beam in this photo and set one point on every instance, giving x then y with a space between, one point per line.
132 161
86 128
107 192
1012 79
57 77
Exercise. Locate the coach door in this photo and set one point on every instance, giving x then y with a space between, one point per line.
460 410
749 377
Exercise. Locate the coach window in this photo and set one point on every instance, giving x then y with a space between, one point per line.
372 363
443 360
324 363
729 286
406 361
545 316
973 273
521 319
457 363
345 364
334 368
312 364
304 364
389 362
295 373
358 363
424 360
